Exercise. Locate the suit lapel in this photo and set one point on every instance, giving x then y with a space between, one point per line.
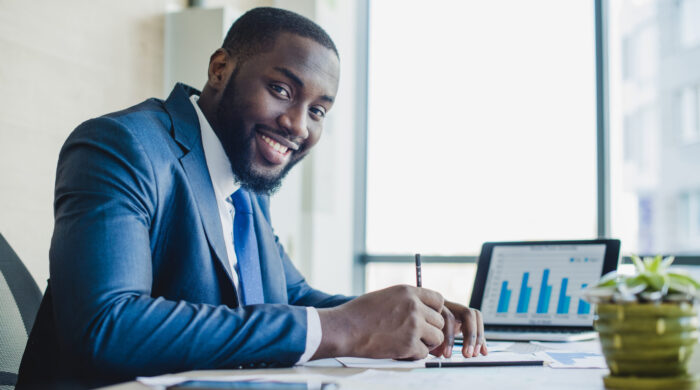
187 133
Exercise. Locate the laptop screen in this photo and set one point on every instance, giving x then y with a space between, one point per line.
541 284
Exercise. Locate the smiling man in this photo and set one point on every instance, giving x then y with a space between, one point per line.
163 258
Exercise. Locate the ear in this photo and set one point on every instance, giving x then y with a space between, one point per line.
221 65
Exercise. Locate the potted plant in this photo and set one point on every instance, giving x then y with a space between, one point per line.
648 325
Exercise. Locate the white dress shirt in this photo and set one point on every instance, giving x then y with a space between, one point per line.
224 183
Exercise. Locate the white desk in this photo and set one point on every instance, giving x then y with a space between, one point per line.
447 378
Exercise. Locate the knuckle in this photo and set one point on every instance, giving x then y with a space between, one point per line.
440 339
404 289
412 324
411 305
441 322
439 298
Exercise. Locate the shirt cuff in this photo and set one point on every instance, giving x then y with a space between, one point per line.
313 334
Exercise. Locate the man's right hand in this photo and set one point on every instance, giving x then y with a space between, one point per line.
399 322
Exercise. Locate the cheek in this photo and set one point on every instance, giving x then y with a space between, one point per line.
260 108
314 135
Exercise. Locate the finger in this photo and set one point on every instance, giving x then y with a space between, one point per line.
449 332
417 350
481 337
420 351
431 298
431 336
469 330
479 332
431 316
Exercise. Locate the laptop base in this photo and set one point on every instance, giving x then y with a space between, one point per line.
539 336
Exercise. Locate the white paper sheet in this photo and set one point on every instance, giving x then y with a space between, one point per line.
572 359
390 363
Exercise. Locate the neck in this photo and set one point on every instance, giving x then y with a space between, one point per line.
207 104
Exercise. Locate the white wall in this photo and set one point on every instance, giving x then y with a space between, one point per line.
66 61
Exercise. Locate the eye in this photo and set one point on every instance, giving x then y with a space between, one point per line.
318 112
280 90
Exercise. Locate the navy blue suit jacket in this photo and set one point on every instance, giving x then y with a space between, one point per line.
140 282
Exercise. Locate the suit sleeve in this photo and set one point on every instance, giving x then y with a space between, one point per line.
299 292
101 275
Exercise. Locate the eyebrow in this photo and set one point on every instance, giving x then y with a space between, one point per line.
298 81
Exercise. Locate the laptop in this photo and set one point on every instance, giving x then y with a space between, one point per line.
532 290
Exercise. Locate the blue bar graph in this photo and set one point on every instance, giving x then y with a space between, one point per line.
583 306
545 293
564 300
524 299
504 298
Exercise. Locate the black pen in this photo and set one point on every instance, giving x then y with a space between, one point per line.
440 364
419 280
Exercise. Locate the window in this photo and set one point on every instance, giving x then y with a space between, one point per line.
481 126
655 160
689 27
689 113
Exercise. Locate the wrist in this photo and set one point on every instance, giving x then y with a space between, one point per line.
334 334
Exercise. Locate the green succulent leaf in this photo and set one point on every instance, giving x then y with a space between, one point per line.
667 262
652 282
638 264
653 263
610 279
635 284
685 280
657 282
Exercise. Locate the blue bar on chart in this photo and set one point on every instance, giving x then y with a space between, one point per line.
564 300
545 294
504 298
583 306
524 299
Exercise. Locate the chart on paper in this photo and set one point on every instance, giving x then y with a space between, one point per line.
541 284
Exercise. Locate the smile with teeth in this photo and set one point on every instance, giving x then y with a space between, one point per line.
281 149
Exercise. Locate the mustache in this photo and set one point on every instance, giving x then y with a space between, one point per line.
296 144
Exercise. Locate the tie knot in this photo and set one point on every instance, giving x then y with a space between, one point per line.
241 201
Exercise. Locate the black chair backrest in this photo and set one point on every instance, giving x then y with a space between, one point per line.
19 302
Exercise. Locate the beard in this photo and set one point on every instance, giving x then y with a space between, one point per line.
238 141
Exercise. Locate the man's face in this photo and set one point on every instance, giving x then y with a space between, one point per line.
272 110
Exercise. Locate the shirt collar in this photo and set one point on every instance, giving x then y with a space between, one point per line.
218 163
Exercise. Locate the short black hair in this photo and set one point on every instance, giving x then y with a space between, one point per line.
256 30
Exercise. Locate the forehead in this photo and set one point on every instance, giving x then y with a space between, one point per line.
315 65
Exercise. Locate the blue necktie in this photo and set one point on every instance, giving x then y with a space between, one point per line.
246 246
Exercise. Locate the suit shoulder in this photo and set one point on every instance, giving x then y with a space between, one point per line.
148 122
147 116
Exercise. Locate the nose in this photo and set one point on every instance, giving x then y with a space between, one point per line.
294 121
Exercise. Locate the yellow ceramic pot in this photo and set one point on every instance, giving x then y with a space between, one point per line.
647 342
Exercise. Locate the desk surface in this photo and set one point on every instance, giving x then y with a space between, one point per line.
445 378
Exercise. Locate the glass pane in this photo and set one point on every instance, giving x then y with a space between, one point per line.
654 125
481 124
453 281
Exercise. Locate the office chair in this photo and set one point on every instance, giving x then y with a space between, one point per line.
19 302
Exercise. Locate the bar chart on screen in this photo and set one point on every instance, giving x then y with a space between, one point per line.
541 284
